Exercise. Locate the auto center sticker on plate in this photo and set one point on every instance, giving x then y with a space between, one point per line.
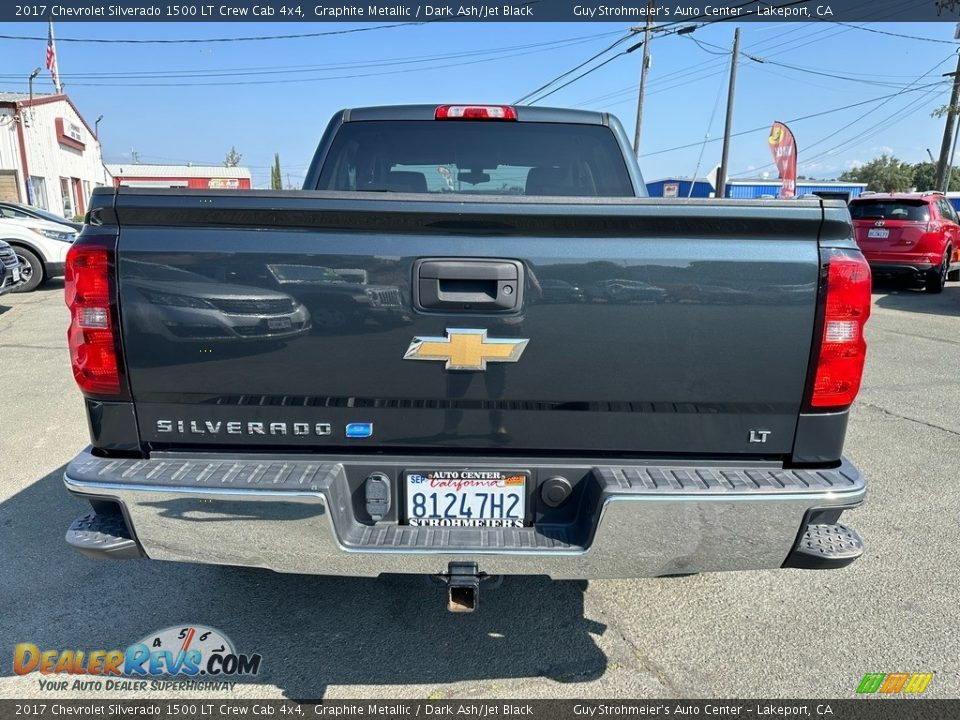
466 498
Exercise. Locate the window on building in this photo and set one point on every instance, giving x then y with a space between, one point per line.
39 192
65 197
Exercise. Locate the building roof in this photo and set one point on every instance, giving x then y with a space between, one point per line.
760 181
678 178
777 181
177 171
9 97
22 99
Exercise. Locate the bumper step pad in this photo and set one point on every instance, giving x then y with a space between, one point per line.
305 514
826 547
103 536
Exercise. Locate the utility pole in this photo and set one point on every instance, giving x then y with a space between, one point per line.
953 151
945 160
725 156
644 68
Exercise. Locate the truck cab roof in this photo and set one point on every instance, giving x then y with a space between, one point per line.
525 113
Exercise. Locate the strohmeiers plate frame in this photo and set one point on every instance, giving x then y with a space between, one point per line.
458 481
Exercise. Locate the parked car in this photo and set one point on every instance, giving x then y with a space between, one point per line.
41 246
9 269
340 298
912 235
19 211
172 305
560 291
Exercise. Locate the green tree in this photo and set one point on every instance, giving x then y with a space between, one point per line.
233 158
883 174
924 176
276 179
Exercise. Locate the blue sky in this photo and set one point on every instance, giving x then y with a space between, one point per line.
182 120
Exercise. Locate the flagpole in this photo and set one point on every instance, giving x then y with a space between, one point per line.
52 59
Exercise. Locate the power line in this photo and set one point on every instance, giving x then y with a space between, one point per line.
587 72
893 118
275 81
810 71
706 136
870 112
658 28
574 69
893 34
878 127
798 119
695 71
291 69
175 41
887 122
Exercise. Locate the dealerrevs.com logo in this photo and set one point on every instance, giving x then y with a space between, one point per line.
200 657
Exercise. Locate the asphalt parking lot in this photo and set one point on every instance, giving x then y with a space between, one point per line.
785 633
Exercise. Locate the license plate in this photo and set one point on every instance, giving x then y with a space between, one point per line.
16 274
878 233
283 323
466 498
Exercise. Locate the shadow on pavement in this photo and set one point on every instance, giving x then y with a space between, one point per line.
51 285
311 631
906 298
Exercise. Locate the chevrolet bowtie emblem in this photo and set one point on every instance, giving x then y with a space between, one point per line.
466 349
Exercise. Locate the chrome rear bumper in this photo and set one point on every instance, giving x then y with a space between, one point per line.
298 515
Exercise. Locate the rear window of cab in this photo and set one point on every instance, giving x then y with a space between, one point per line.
477 158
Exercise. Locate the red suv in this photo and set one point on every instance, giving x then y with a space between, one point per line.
909 234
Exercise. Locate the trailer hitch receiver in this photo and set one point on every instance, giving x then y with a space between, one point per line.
463 580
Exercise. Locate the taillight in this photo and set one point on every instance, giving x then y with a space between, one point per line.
92 337
475 112
842 347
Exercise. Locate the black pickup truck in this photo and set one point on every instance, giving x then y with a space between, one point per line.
470 347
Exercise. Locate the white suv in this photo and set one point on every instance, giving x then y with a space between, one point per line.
41 246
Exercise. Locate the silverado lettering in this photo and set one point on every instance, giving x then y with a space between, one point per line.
206 427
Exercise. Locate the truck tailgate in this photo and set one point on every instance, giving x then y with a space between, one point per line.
280 319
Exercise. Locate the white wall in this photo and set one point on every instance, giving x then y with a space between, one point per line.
9 153
51 160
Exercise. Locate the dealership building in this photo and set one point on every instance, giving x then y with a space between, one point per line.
49 154
194 177
753 188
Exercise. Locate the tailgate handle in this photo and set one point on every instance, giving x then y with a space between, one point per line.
458 285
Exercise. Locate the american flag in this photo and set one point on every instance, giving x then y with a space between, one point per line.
52 60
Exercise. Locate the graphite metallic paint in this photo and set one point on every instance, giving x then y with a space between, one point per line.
715 345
